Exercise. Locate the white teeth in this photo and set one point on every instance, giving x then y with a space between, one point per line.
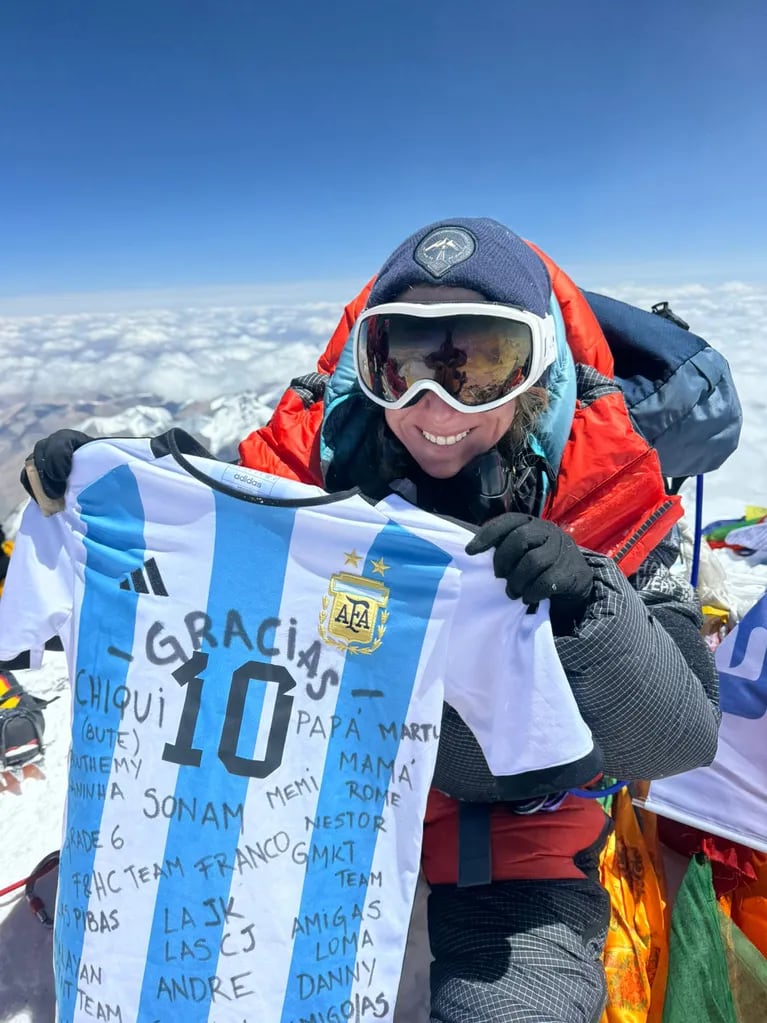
442 441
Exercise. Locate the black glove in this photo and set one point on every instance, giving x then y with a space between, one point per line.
538 560
52 458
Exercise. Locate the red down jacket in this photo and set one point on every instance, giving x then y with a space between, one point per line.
609 495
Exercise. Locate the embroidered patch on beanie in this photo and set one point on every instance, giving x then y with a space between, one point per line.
444 248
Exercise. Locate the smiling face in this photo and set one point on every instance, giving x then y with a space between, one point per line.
441 439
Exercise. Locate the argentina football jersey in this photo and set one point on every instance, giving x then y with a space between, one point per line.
257 670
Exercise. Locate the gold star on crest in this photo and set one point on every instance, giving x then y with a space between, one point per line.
380 566
352 558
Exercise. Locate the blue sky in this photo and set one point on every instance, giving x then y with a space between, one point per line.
176 143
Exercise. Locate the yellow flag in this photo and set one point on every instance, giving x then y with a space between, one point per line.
636 951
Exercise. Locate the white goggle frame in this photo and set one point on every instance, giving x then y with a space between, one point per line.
542 331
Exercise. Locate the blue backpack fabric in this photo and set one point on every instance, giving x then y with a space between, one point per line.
679 390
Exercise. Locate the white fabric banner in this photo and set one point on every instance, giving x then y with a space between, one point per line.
729 798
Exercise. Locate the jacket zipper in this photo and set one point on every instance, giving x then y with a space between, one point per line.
637 536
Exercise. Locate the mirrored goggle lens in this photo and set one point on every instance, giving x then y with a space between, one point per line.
476 359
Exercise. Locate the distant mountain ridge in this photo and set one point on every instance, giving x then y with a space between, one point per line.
219 424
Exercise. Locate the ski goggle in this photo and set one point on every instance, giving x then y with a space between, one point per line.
474 356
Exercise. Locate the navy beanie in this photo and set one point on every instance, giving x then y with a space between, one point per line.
467 252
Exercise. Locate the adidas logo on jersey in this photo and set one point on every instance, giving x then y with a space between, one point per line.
146 580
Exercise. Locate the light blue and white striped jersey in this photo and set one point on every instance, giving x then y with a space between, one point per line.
258 671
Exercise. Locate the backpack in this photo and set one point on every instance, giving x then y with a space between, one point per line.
679 390
21 724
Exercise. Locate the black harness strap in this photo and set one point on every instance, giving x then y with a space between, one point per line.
474 854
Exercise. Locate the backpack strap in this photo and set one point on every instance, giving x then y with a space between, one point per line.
474 852
310 387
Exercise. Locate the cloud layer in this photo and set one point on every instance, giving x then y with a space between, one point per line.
178 355
189 365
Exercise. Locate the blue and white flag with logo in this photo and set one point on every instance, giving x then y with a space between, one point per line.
729 798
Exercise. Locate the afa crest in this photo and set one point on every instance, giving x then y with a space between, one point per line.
354 613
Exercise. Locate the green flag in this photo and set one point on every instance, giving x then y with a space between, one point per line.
715 974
